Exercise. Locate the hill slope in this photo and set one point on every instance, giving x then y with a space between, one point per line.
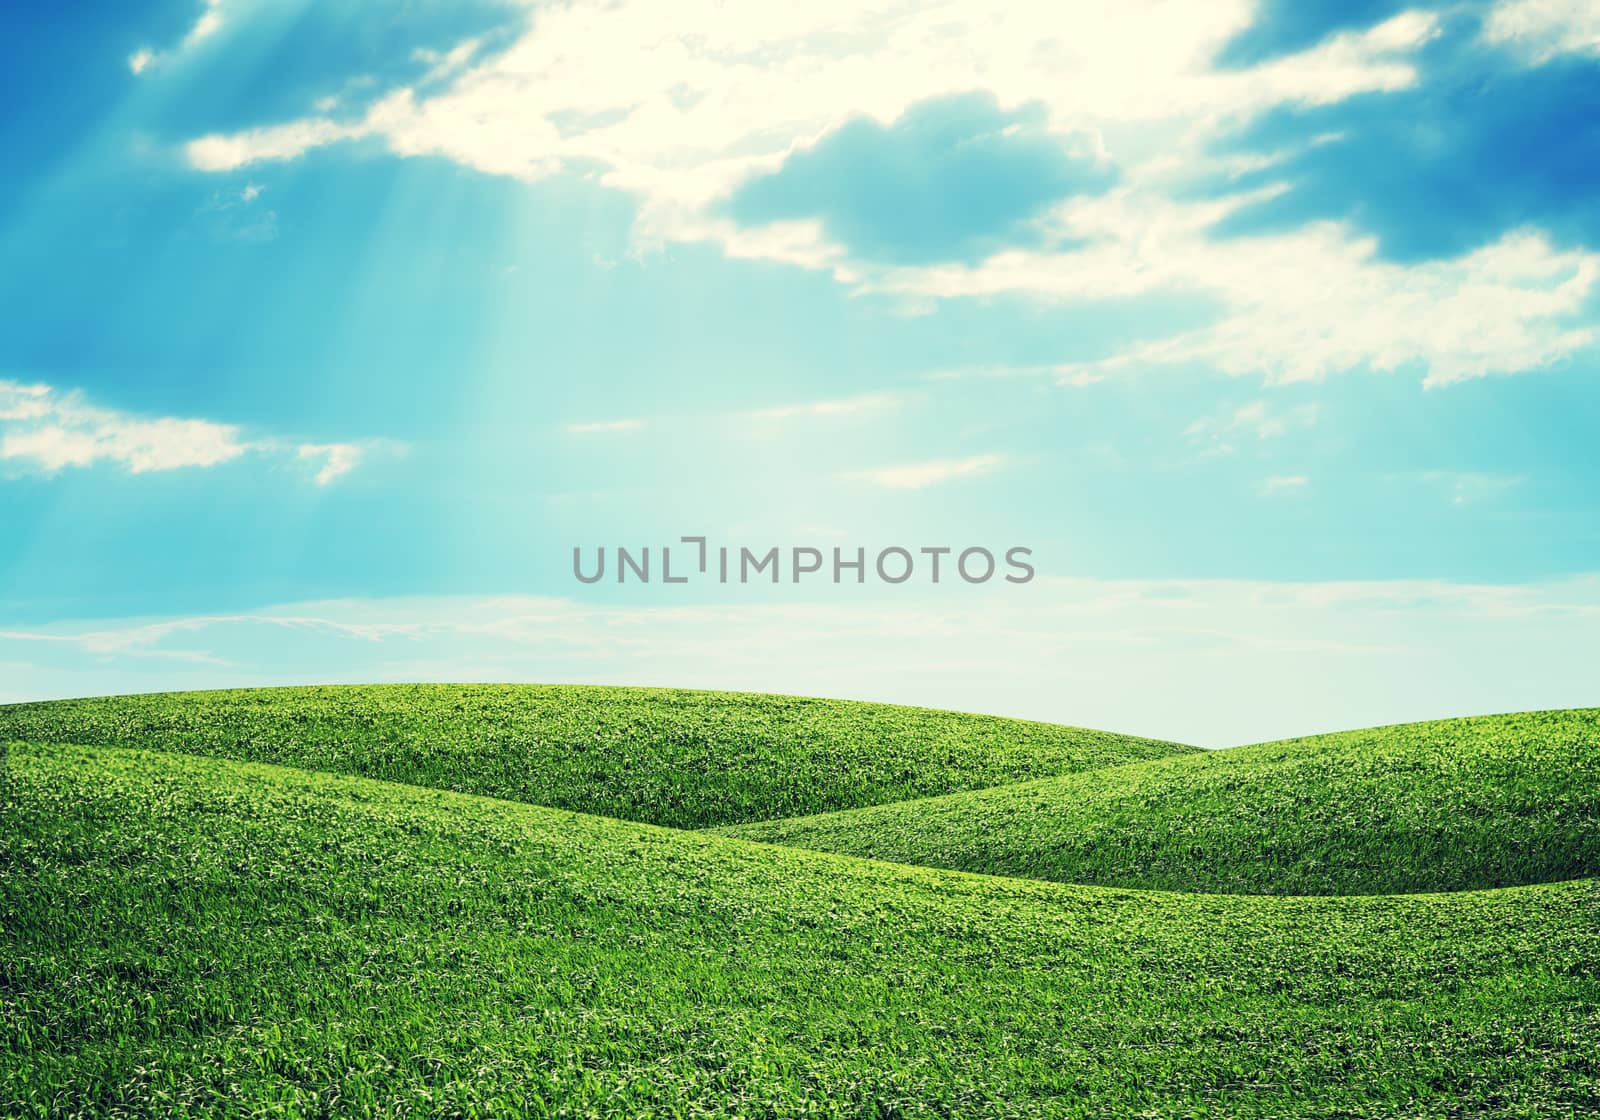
678 758
192 936
1448 805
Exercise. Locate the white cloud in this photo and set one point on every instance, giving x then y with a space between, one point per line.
1300 305
24 402
1280 485
1545 28
46 431
678 104
285 141
49 431
209 23
916 476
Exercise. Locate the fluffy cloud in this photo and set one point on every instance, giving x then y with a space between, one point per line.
1545 28
693 107
681 104
49 431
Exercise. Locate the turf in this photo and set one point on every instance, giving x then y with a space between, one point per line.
678 758
1450 805
188 936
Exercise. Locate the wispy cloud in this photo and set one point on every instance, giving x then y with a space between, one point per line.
336 459
1514 305
45 431
1282 485
1208 661
445 64
206 25
233 215
1261 420
861 405
600 427
842 406
916 476
1469 487
1258 419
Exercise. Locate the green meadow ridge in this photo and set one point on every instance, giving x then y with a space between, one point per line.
1450 805
191 931
674 757
666 756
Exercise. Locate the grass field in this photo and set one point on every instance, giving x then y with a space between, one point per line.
671 757
1452 805
190 935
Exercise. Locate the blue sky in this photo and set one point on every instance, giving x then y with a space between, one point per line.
363 318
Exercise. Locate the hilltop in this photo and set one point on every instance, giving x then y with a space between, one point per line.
666 756
1447 805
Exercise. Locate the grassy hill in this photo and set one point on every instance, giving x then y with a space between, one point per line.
189 936
1448 805
679 758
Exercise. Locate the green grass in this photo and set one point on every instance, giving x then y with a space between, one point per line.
678 758
185 931
186 936
1451 805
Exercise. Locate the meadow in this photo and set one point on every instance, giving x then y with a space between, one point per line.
191 934
1442 806
673 757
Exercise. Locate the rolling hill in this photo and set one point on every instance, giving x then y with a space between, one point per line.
1448 805
671 757
189 936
